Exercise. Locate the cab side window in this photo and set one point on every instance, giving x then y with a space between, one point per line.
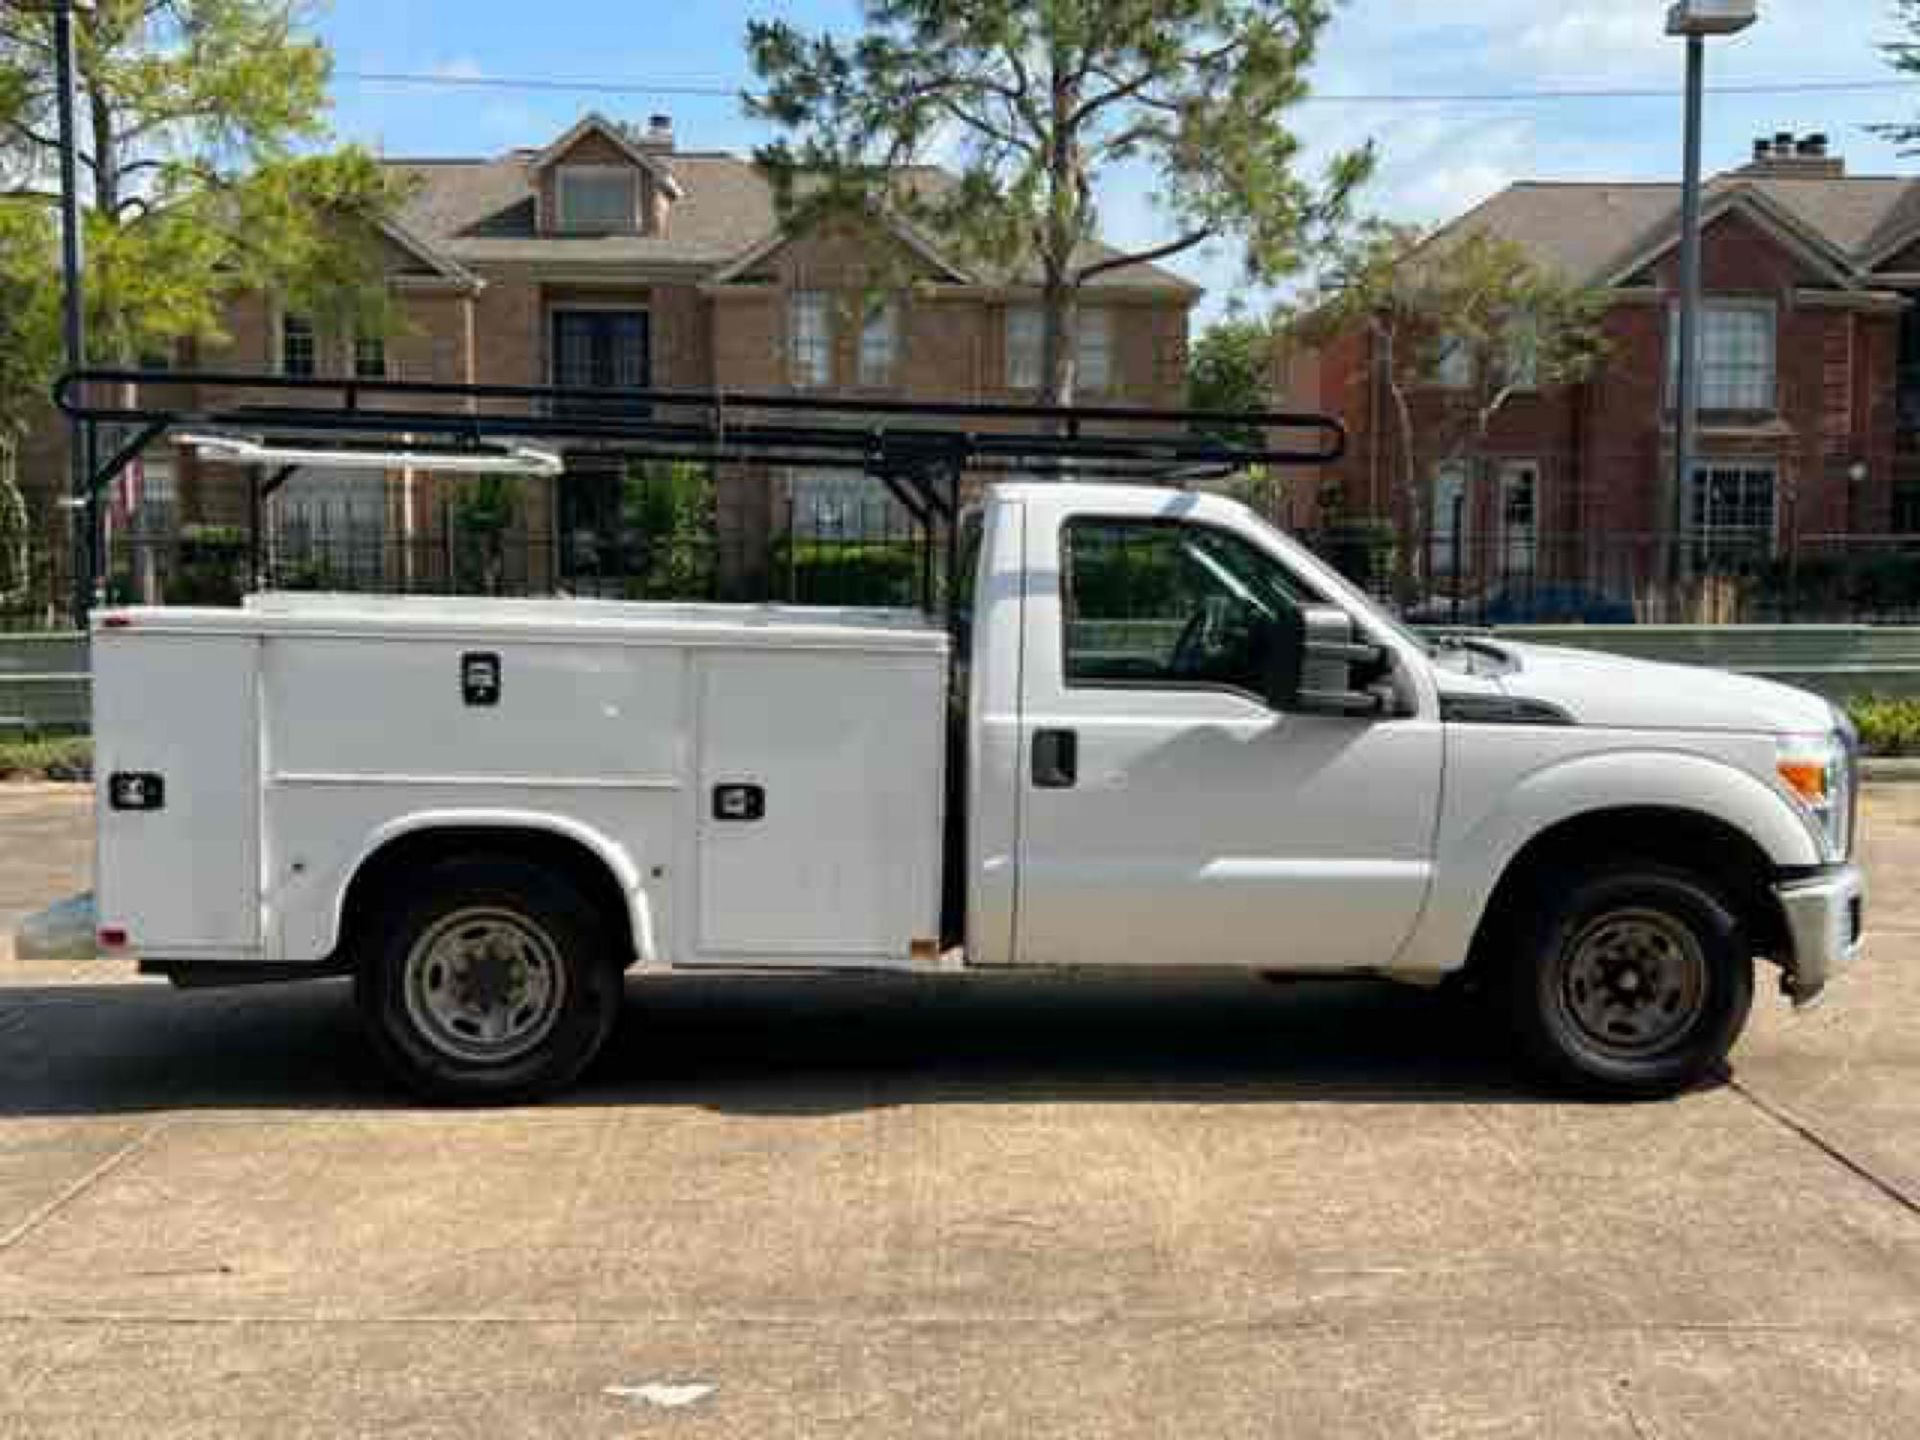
1170 604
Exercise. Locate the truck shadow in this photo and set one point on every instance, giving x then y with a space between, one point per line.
796 1046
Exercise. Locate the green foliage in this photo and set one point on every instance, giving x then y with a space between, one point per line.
881 574
1889 728
29 315
1365 551
1904 56
1231 369
1045 101
669 506
483 512
199 120
67 757
213 561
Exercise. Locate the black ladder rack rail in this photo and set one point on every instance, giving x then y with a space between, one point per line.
920 450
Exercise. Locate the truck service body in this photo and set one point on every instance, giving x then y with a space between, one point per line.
1175 739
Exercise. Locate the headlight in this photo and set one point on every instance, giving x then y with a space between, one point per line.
1818 773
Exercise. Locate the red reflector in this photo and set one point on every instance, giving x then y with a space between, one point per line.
112 937
117 622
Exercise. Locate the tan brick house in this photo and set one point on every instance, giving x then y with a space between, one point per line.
1810 381
613 257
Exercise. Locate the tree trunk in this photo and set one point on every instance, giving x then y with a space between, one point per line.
1059 324
1059 292
1412 563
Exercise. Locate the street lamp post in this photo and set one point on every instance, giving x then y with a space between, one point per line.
1694 20
79 506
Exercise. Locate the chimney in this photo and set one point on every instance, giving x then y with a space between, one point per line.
658 134
1791 156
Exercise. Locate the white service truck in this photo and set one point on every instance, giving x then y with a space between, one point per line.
1161 736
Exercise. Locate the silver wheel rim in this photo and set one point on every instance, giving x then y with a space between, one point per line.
485 986
1633 982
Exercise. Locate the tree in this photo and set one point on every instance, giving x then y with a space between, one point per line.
193 115
1231 368
1468 316
1905 57
29 346
1043 101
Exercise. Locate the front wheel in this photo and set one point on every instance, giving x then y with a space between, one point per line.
1629 980
493 983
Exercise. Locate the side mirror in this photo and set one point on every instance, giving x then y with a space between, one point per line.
1316 667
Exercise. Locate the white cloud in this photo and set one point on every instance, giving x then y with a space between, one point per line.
463 67
1595 40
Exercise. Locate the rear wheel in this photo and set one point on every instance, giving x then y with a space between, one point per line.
492 982
1629 979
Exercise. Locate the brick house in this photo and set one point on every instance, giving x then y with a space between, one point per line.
1810 384
612 257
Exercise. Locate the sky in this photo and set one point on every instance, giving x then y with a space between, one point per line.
1436 159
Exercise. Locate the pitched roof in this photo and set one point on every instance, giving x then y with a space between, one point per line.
481 212
594 123
1591 231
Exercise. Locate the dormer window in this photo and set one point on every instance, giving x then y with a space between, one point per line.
597 199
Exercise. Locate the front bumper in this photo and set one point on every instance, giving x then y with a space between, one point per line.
1826 922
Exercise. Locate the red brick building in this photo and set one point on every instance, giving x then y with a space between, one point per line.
1810 384
612 256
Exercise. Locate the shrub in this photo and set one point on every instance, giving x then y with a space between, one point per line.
1888 727
212 566
1365 551
884 574
47 758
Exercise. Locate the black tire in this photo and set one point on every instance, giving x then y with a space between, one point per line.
510 932
1627 980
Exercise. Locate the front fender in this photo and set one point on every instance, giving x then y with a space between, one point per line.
1473 853
620 864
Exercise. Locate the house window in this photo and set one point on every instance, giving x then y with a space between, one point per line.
329 528
1519 518
157 512
810 340
841 505
600 350
1453 364
1451 529
1737 359
297 347
1734 513
1025 331
1093 350
370 357
1026 343
596 200
879 343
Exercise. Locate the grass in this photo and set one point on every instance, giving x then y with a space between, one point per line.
46 757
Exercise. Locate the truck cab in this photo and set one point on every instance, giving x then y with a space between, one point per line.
1179 741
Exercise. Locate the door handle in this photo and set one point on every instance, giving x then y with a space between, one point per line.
1056 759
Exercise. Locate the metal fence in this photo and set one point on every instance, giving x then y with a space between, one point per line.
1615 579
844 542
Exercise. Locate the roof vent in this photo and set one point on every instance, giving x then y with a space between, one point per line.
1805 157
659 133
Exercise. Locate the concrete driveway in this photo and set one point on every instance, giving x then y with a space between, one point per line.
1013 1209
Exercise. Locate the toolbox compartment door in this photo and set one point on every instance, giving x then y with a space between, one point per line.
176 736
820 796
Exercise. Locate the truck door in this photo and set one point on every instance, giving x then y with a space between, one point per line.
1167 815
